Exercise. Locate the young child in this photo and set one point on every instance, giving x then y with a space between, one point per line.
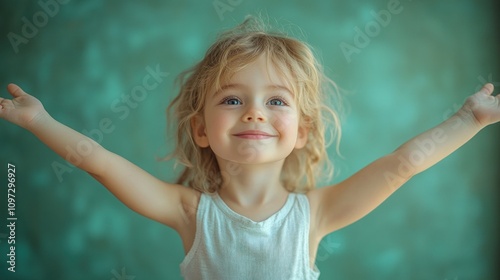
251 133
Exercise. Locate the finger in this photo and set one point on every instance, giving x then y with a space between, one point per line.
488 88
3 103
15 90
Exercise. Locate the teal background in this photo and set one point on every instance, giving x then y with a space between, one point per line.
414 71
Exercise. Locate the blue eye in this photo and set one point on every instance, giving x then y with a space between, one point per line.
231 100
276 101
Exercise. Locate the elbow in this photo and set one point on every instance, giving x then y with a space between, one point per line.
402 169
96 163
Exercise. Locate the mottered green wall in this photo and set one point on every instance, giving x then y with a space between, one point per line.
403 66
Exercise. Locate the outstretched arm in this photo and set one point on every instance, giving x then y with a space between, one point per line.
350 200
136 188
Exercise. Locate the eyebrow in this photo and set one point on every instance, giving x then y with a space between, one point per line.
241 86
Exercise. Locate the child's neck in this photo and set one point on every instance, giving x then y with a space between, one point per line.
251 185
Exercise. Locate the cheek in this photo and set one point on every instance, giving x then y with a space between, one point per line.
216 123
284 121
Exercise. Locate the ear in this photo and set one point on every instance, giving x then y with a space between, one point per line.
198 130
302 136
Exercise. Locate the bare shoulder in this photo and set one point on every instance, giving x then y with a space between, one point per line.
186 227
318 199
190 199
314 198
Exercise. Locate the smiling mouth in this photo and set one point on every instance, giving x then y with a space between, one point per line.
254 134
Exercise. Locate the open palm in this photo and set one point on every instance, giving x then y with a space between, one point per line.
22 110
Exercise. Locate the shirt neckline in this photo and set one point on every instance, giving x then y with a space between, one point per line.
273 220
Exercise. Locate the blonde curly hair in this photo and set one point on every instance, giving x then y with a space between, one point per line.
312 89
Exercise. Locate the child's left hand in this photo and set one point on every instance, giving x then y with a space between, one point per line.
483 106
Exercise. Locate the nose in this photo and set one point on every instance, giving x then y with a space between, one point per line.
254 115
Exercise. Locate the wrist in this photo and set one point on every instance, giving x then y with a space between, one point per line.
465 116
38 122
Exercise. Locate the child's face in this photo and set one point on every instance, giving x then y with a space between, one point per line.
253 120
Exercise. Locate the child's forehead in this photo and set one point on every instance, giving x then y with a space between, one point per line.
274 72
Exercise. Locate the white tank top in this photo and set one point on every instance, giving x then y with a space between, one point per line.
228 245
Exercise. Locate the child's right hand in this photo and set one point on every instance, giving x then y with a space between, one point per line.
23 110
166 203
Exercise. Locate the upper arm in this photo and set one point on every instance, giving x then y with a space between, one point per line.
142 192
348 201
